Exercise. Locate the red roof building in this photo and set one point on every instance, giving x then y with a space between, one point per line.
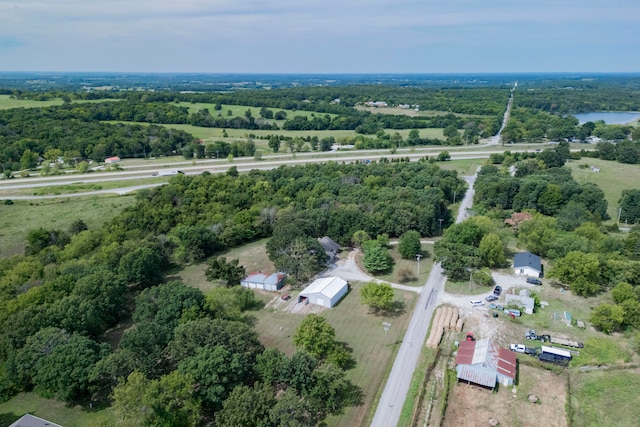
485 363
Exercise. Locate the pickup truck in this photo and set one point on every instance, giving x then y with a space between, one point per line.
519 348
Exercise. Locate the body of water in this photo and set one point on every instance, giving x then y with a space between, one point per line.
609 117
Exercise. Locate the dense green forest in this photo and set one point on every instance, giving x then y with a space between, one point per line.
199 353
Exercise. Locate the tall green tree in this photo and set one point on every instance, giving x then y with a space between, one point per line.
409 245
378 296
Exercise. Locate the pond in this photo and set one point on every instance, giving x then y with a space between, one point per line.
609 117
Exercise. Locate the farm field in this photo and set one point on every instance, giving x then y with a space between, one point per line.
410 112
612 179
6 102
239 110
469 405
605 398
17 219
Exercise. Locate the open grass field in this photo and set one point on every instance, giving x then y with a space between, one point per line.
240 110
6 102
469 405
410 112
215 134
605 398
612 179
363 333
17 219
51 410
253 256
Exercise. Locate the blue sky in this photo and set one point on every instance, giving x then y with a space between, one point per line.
320 36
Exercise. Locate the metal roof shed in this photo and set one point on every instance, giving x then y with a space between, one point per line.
484 363
325 292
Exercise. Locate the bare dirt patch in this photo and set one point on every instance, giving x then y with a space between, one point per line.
469 405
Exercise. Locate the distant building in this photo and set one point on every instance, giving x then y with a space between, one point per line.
29 420
527 264
272 282
526 303
325 292
110 160
485 364
331 248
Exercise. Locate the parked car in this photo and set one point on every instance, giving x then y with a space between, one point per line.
518 348
512 312
476 302
491 297
497 290
534 281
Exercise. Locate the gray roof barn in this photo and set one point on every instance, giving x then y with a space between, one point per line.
29 420
272 282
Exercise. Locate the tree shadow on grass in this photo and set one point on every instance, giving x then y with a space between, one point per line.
395 310
8 419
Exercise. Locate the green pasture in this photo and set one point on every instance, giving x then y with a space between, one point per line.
52 410
607 397
6 102
20 217
612 179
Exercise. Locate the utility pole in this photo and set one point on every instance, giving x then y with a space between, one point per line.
440 221
418 256
454 197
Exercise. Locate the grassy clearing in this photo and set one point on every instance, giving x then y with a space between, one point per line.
52 410
253 256
409 265
411 112
465 288
612 179
601 351
364 334
17 219
240 110
6 102
605 398
417 387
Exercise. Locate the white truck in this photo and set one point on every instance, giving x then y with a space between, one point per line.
170 172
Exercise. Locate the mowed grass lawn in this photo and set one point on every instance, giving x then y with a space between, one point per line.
612 179
354 325
362 331
6 102
51 410
17 219
605 398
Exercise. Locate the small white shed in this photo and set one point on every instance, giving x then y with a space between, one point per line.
325 292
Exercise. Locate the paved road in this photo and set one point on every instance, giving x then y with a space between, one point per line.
495 140
395 391
8 186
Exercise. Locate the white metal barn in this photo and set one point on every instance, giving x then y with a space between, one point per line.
325 292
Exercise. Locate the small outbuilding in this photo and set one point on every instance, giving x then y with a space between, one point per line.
110 160
527 264
485 363
325 292
331 248
526 303
272 282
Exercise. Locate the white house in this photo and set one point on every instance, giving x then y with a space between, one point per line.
526 303
527 264
28 420
265 282
325 292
